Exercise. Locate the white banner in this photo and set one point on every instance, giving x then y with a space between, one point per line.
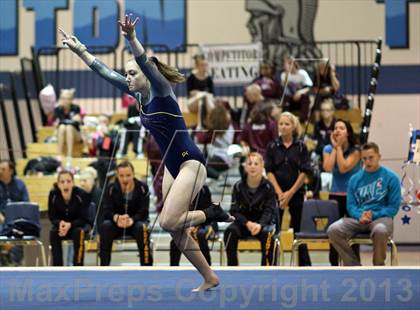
233 64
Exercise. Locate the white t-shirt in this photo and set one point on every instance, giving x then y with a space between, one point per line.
299 79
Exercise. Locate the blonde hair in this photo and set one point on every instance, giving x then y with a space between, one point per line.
89 173
295 122
256 155
67 93
329 102
170 73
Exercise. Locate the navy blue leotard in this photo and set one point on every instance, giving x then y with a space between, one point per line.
161 114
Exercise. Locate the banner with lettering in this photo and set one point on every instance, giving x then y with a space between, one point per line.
233 64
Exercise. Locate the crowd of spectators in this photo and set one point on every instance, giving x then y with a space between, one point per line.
276 164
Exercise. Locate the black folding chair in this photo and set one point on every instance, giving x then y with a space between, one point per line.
317 216
23 213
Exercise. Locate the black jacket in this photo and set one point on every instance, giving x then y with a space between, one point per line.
94 199
287 163
138 206
75 212
258 207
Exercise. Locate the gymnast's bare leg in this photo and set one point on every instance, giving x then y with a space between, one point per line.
176 217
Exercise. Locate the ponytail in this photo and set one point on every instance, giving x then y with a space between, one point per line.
170 73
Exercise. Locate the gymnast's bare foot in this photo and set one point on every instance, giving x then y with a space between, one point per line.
208 284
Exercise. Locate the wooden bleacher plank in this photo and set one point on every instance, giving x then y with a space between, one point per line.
45 132
191 119
34 150
39 188
352 115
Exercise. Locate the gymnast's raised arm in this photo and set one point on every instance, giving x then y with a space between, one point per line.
95 64
159 74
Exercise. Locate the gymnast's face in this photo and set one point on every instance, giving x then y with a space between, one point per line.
135 78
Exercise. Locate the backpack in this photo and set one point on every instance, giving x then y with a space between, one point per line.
44 164
21 227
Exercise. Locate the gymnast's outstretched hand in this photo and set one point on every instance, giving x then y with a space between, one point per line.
72 42
128 27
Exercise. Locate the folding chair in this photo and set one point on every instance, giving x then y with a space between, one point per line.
365 240
24 211
317 216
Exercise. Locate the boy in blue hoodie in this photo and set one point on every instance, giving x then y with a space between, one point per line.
373 199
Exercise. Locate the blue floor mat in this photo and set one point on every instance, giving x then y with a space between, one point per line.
240 288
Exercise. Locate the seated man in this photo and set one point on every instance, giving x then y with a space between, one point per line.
201 233
12 189
253 206
126 214
373 199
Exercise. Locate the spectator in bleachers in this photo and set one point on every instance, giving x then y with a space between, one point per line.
105 143
132 127
68 120
12 189
297 84
325 126
342 158
221 135
68 208
374 196
326 83
126 214
253 97
270 86
253 206
200 90
152 152
259 130
88 183
287 166
201 233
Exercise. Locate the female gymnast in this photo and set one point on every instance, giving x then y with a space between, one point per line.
149 81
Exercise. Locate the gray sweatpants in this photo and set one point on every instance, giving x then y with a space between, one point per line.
344 229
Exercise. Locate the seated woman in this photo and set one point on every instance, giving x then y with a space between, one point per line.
68 119
201 233
254 208
297 84
252 97
325 126
219 138
200 90
270 86
326 85
260 130
68 212
88 178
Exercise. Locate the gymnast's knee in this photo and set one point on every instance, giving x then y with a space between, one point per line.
168 223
